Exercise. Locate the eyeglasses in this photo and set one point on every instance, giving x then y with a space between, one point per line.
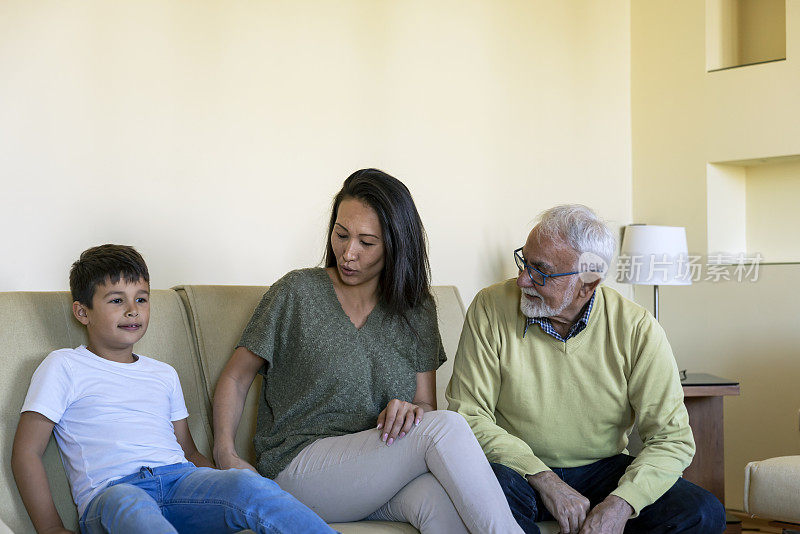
536 276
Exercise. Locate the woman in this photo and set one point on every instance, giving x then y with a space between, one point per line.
346 418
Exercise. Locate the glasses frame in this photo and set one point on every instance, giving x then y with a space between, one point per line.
529 268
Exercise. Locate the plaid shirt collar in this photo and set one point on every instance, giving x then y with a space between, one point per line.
546 326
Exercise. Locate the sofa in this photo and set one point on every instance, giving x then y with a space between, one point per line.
194 329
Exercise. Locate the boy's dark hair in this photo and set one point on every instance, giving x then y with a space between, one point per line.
101 263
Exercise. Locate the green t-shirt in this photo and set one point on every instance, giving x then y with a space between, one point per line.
322 376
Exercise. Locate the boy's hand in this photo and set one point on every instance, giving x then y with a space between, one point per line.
186 442
57 530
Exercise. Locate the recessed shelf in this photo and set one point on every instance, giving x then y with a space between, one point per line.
740 33
753 208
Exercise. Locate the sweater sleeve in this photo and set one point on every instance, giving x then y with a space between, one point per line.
475 386
656 396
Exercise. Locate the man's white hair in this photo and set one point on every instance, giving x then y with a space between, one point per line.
581 229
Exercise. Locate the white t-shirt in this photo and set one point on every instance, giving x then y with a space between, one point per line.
110 418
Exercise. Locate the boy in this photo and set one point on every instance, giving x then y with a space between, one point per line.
120 422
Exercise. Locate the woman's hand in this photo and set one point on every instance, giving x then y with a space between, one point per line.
397 419
231 460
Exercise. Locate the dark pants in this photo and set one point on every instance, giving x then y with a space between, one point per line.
683 508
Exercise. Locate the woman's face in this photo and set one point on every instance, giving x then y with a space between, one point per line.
357 242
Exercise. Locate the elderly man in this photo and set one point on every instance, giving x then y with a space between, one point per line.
551 370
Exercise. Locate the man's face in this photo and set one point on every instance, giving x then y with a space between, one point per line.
118 317
556 294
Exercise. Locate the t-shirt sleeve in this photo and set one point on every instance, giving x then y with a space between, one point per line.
177 404
430 350
262 334
51 391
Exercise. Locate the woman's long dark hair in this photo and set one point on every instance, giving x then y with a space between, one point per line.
405 280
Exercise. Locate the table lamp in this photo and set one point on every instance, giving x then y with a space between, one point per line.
655 255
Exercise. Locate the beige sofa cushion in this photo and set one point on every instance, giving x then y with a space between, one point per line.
372 527
772 489
34 324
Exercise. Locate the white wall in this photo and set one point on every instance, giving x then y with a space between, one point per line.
213 135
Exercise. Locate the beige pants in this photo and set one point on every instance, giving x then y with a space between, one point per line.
436 478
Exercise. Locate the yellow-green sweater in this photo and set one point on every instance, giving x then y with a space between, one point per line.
536 402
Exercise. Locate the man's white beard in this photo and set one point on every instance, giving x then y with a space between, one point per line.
537 307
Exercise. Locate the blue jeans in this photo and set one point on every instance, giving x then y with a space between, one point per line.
683 508
185 498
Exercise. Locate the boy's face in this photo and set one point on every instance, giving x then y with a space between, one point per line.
118 317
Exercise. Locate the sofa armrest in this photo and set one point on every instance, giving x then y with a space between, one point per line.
772 489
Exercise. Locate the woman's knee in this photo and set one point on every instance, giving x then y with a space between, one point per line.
447 421
449 429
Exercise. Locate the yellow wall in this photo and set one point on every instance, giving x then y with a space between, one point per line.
213 135
682 119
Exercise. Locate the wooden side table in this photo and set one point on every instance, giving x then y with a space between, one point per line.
703 399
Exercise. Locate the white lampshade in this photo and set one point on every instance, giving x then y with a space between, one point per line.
654 255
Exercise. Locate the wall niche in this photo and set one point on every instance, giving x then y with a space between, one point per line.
744 32
753 208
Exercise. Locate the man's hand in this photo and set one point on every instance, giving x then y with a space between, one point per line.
608 517
567 506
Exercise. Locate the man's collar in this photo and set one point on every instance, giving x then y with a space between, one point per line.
577 327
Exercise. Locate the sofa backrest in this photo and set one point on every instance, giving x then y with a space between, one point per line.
192 328
218 315
36 323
